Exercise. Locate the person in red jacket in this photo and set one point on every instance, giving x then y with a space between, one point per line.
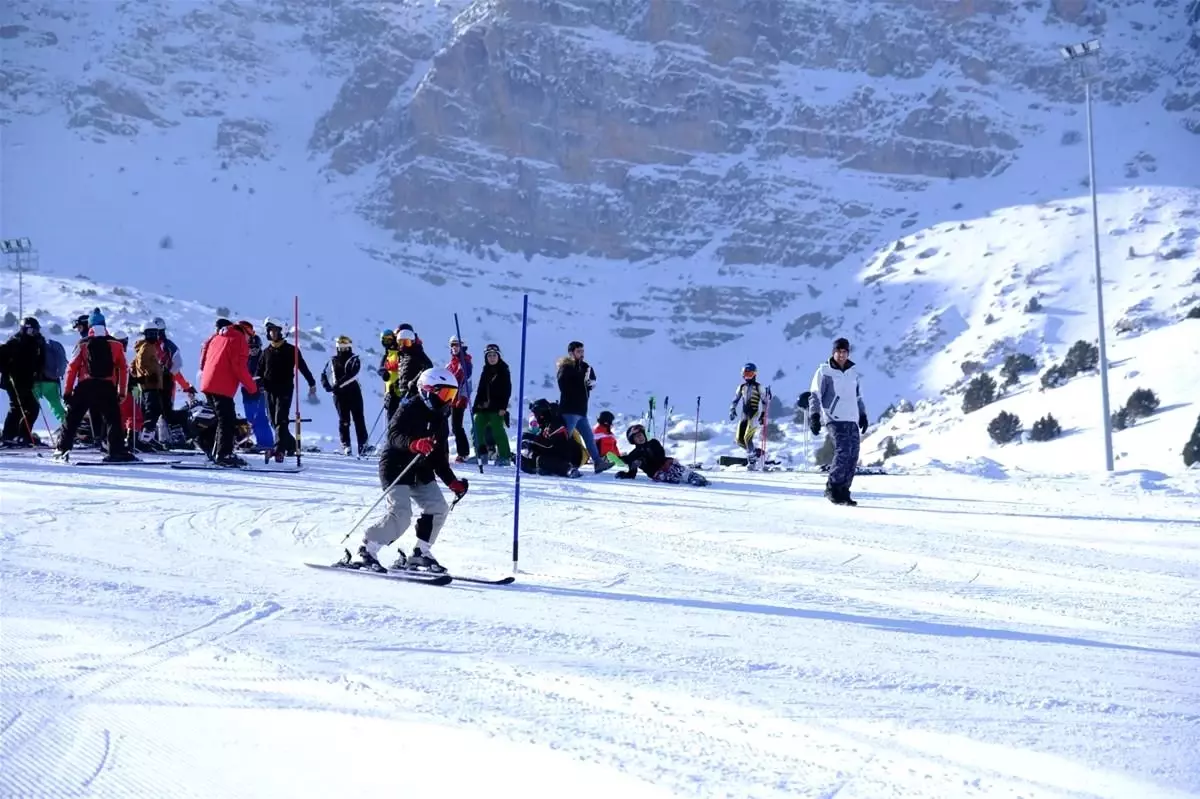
224 369
461 366
606 440
97 382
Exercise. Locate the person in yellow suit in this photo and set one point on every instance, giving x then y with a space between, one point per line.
389 370
748 405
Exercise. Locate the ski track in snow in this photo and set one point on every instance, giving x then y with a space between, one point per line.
950 637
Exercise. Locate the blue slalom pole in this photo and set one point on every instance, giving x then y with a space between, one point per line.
520 427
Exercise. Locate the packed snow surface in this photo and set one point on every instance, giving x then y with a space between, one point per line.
952 636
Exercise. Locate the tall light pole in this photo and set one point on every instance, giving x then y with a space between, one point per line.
1082 56
21 258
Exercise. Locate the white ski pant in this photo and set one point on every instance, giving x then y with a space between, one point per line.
398 515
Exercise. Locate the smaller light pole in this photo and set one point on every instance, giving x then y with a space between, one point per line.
1081 55
21 258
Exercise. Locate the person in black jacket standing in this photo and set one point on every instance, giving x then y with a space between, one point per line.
408 464
490 413
276 377
340 377
576 379
21 360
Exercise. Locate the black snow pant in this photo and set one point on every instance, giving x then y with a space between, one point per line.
97 398
278 402
348 402
461 442
391 404
226 435
845 453
23 410
152 409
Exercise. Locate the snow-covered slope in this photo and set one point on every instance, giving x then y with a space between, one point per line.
950 638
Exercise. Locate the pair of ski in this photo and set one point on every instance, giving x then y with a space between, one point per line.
407 576
66 460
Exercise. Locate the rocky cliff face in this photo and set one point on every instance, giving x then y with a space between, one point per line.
644 129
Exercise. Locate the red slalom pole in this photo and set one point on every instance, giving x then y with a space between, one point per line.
296 369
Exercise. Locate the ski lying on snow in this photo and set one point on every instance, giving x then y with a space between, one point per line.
423 578
212 467
484 581
120 463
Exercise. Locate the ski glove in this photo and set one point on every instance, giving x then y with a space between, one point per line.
732 414
422 446
383 373
625 475
458 487
814 424
504 416
325 383
862 423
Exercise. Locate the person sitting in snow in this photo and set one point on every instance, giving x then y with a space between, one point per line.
547 447
649 456
606 440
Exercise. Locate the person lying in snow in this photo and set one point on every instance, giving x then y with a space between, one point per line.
649 456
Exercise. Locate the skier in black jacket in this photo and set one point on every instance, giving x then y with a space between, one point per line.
649 456
21 360
408 464
340 377
276 377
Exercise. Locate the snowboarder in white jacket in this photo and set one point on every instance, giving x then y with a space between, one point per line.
836 400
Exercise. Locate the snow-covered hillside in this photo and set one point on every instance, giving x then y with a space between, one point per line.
950 638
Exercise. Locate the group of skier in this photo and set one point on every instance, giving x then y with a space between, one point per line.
425 406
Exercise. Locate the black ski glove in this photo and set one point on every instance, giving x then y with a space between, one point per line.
505 417
814 424
862 423
383 373
325 383
624 476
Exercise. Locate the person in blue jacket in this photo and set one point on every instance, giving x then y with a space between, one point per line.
254 404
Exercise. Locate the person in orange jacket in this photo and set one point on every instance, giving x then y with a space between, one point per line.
224 367
96 383
606 441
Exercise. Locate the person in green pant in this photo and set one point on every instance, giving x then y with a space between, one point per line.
48 386
490 411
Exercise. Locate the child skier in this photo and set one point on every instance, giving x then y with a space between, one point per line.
408 463
748 403
462 367
547 448
649 456
606 440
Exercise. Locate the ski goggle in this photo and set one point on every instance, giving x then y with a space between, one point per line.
444 393
405 338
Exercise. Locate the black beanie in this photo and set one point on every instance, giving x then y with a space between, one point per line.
841 344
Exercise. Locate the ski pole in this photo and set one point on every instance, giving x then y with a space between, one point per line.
696 435
666 416
379 499
378 416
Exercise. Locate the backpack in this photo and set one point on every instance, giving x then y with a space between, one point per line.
55 361
99 358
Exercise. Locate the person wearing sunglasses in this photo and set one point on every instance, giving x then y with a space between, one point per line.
413 456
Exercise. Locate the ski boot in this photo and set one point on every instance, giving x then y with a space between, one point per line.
460 459
365 450
400 563
231 461
602 465
420 561
119 457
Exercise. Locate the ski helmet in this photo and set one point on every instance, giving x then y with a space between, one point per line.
30 325
385 336
606 418
633 430
160 323
749 370
342 342
454 340
406 337
438 388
